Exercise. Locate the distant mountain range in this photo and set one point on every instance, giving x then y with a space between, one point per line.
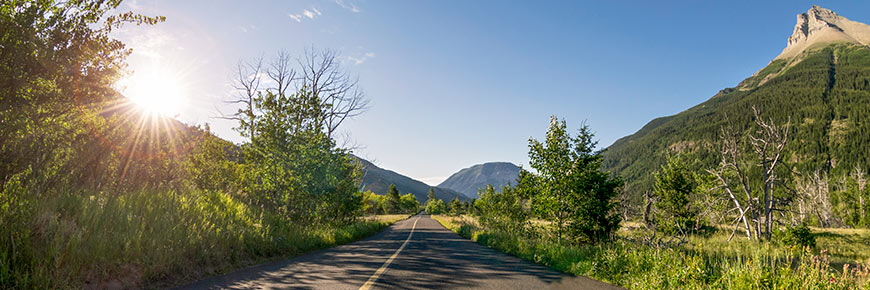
820 83
378 180
469 180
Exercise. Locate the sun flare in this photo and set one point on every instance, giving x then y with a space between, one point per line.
156 89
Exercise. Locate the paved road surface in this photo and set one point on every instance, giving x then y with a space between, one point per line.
432 257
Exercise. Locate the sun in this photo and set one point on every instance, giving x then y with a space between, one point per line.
157 89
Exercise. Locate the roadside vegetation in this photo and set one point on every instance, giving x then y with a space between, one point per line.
737 226
97 193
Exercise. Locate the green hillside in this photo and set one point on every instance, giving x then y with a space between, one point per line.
825 93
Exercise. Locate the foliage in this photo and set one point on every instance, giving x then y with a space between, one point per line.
393 199
800 236
850 199
674 189
504 211
436 206
374 204
707 263
570 188
456 207
408 204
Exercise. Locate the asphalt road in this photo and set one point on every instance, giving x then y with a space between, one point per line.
431 257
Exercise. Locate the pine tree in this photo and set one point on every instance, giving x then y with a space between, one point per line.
393 198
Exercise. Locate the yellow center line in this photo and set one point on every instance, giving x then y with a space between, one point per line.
374 278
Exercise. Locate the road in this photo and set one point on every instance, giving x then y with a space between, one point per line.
417 253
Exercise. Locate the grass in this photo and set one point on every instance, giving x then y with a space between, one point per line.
157 239
703 263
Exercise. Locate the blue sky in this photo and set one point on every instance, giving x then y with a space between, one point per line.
456 83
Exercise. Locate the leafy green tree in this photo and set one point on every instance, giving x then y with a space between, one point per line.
293 167
372 203
436 206
675 188
503 211
570 188
456 207
408 203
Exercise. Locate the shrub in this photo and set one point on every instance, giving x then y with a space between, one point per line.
800 236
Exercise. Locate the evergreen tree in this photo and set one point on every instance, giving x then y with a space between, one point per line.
430 195
393 199
455 207
674 187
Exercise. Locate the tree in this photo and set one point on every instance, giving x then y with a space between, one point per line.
757 202
372 203
851 199
393 199
430 195
338 94
455 207
436 206
675 189
408 203
570 188
503 211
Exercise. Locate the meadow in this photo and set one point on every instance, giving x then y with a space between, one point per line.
840 259
158 239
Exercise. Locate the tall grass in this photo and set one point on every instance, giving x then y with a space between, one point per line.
153 239
639 266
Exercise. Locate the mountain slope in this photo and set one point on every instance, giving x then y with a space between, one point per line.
467 181
821 83
378 180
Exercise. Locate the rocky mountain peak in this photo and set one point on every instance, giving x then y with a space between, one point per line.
820 25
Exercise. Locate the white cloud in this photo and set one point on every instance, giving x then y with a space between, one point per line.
246 28
348 5
306 13
361 59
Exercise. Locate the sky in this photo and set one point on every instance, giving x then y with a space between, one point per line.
458 83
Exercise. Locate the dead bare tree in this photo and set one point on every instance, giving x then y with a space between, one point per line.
247 86
754 207
813 199
319 72
861 178
339 92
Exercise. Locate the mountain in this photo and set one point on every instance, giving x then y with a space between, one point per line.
467 181
378 180
820 83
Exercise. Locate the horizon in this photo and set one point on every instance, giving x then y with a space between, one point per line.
635 63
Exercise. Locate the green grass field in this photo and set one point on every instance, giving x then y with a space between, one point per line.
154 239
838 262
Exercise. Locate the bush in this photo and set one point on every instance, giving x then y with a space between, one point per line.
800 236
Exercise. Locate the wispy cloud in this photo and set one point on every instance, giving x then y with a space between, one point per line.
349 5
306 13
246 28
361 59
